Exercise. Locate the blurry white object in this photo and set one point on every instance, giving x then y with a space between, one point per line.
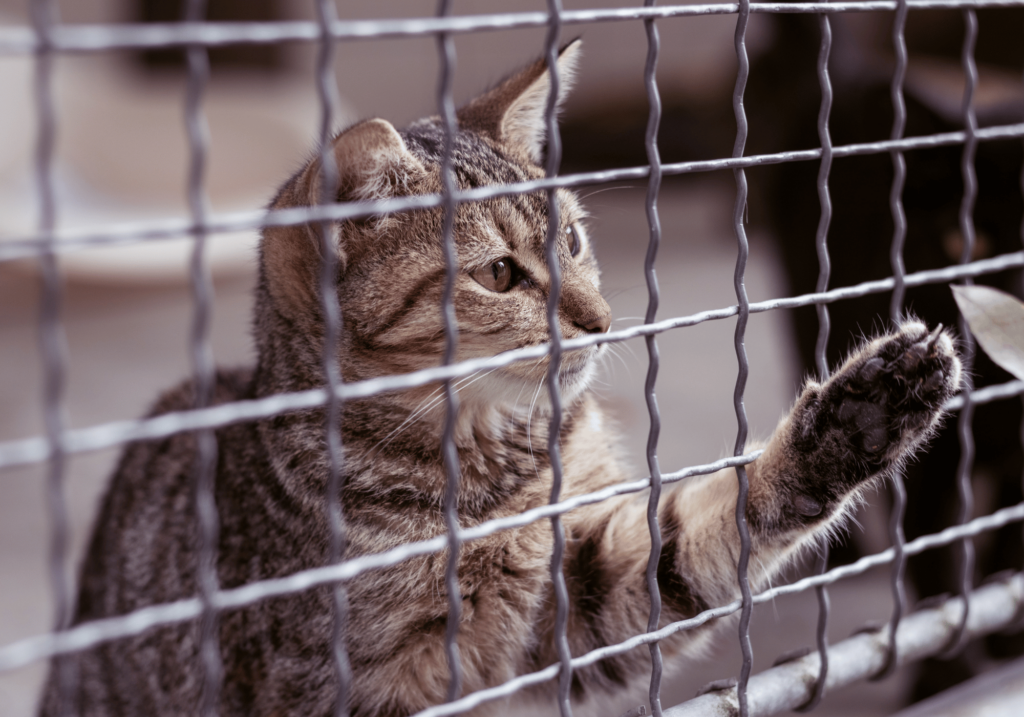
123 157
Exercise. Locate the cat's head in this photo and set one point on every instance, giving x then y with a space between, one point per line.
391 269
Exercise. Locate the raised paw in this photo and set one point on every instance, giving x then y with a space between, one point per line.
877 408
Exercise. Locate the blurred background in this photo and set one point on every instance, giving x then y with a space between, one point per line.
122 156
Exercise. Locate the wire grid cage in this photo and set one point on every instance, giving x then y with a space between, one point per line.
799 684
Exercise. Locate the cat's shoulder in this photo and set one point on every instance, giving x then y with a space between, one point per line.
229 385
145 463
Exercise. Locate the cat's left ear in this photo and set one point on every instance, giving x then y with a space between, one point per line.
373 163
512 113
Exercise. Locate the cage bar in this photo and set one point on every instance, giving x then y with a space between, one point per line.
68 239
198 68
52 345
824 326
967 345
654 362
899 219
446 107
743 313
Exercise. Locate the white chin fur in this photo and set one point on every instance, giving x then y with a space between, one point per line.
523 396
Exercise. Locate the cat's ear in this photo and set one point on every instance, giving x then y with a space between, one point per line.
513 112
373 163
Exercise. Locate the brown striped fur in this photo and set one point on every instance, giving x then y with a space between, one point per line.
271 474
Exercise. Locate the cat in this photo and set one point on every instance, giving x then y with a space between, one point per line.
271 475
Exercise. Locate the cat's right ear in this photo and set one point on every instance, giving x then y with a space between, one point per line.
373 163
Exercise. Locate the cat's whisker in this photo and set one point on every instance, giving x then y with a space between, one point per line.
626 346
529 423
433 400
605 189
465 384
623 290
775 607
613 351
515 407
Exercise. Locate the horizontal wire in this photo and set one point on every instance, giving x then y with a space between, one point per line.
987 394
67 240
107 435
83 636
26 651
975 527
93 38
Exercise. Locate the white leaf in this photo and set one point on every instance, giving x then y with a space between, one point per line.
997 321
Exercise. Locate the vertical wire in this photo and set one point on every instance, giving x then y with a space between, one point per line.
654 222
554 159
966 498
202 367
821 358
446 105
329 181
743 251
899 220
52 346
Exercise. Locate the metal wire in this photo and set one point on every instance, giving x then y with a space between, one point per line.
52 347
22 652
95 38
554 159
964 430
328 292
653 299
743 313
203 369
114 433
446 107
821 358
71 239
87 635
899 219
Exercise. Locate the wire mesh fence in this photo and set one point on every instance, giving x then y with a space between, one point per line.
786 687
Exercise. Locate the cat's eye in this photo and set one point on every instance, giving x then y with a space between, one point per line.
573 235
496 277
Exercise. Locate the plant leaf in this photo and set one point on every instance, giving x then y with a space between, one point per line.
997 321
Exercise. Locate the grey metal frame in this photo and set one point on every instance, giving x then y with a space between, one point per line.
784 687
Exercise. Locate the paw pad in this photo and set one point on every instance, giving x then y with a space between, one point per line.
881 404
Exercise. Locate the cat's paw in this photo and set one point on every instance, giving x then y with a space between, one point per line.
877 408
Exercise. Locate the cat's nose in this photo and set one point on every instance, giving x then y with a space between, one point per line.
596 324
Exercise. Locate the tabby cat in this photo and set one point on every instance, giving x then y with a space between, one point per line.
271 474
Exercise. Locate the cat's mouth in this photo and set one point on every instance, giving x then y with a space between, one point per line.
577 369
571 372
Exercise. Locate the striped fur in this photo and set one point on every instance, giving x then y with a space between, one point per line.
271 474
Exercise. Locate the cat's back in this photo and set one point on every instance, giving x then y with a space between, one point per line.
144 551
148 511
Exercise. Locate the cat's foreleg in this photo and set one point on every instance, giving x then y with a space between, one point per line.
861 423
